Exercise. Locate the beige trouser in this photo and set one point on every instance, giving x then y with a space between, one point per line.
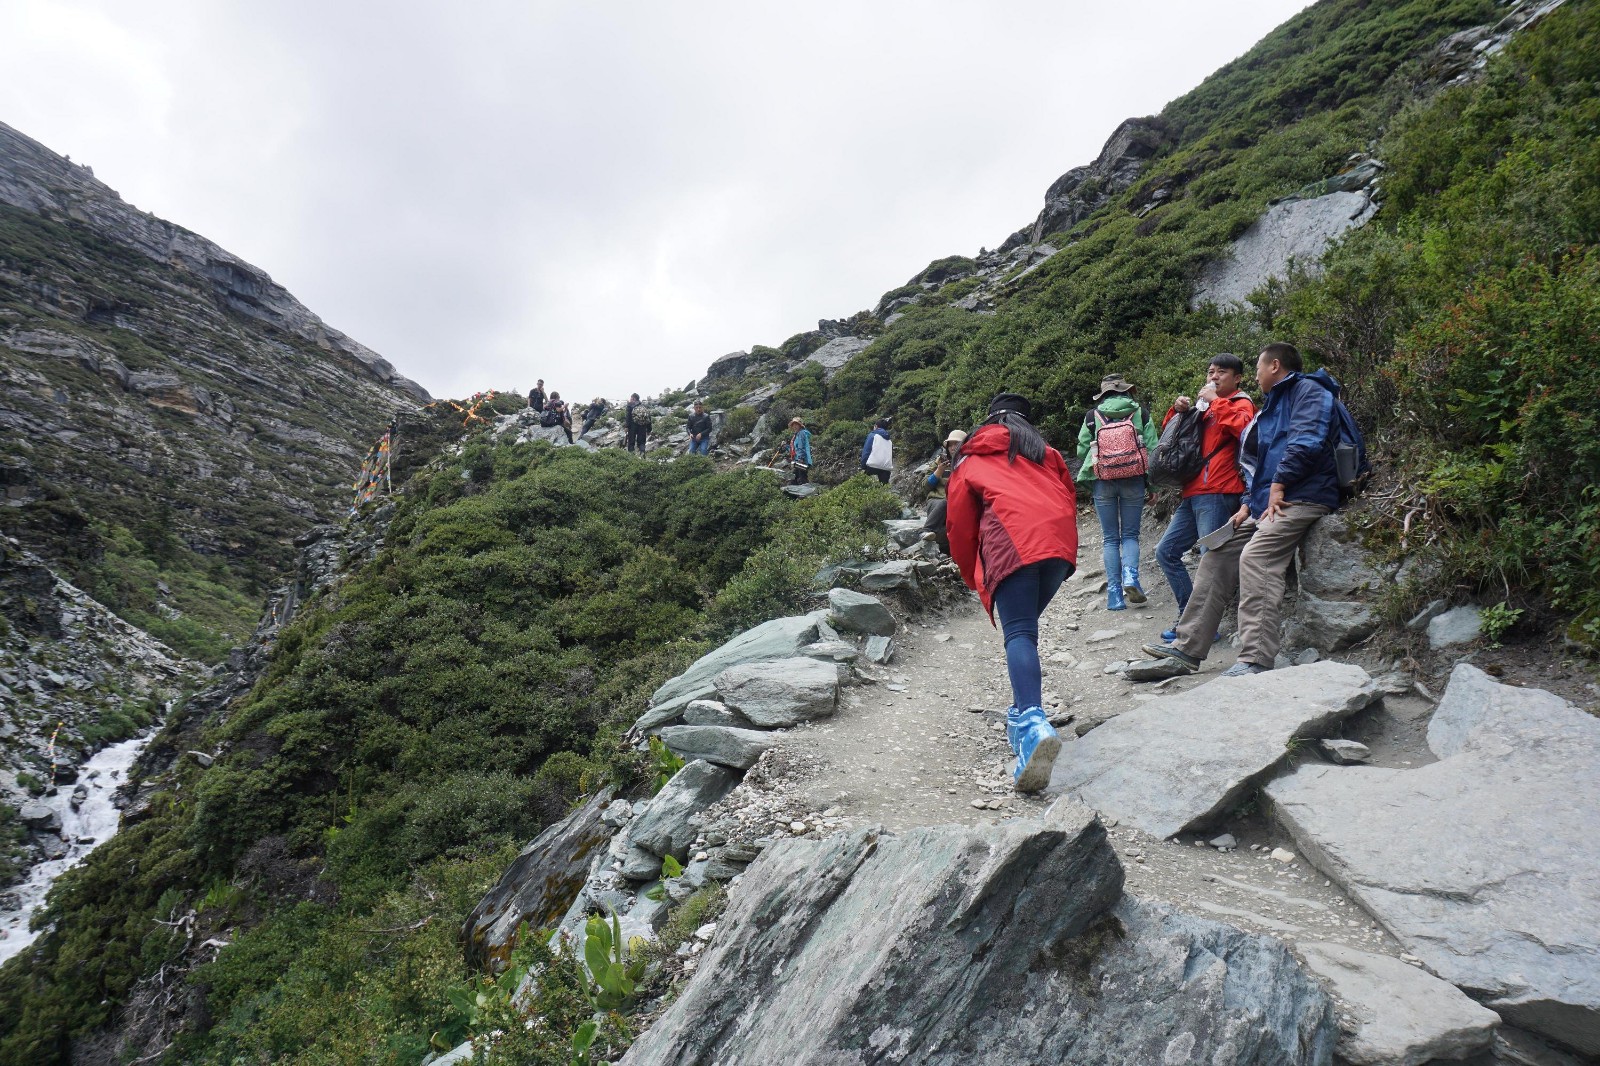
1255 561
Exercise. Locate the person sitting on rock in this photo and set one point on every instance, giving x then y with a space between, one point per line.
556 414
536 396
1211 496
799 449
699 427
1291 481
938 489
592 413
1012 518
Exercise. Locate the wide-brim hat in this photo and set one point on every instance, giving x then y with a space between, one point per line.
956 436
797 421
1113 383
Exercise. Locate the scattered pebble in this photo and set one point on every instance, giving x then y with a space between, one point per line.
1282 855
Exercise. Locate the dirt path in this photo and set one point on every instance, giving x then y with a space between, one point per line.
924 744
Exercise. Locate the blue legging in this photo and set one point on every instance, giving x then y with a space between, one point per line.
1120 505
1019 601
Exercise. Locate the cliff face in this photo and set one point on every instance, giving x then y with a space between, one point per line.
172 416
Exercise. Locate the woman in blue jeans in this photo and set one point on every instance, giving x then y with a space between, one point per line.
1116 424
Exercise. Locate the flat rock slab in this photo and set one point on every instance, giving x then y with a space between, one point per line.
778 639
1180 762
540 884
722 745
775 695
1484 864
955 945
1402 1015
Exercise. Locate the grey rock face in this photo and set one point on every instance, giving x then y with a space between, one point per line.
833 651
780 638
540 885
775 695
1329 625
663 827
899 574
725 746
1459 625
1297 231
1345 752
710 712
835 354
854 612
40 816
1180 762
880 649
1403 1015
974 946
1483 864
1335 564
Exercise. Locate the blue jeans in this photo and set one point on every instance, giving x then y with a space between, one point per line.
1194 518
1120 505
1019 601
701 446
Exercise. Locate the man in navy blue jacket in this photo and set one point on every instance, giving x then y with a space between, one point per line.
1291 479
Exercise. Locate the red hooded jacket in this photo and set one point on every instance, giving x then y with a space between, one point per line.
1004 515
1224 421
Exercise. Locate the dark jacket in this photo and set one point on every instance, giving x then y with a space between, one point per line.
699 425
536 399
1291 443
1003 515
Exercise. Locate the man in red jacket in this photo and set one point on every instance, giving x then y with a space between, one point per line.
1212 496
1012 519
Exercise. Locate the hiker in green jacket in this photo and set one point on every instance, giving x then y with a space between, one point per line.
1114 447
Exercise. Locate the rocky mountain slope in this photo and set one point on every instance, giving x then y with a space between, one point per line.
172 417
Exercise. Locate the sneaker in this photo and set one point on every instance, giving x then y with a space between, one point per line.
1243 669
1170 635
1036 752
1157 669
1167 651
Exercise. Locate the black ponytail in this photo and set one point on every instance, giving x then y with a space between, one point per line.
1025 440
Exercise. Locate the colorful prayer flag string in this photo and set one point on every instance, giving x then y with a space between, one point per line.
374 471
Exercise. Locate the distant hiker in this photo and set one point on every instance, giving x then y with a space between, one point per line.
636 417
1012 519
536 396
1291 481
799 452
699 427
1211 496
938 488
592 413
877 454
1114 447
556 414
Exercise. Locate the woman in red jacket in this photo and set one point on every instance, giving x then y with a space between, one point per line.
1012 518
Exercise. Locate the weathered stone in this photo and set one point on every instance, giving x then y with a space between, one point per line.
1459 625
664 827
539 885
854 612
40 816
836 353
899 574
1180 762
1402 1015
774 695
979 946
710 712
1420 620
777 639
1291 230
832 651
1329 625
617 813
1483 864
904 532
880 649
725 746
1345 752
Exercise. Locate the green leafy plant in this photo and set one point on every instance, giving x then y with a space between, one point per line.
615 969
664 763
1496 620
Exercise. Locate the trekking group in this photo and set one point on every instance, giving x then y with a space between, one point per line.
1252 483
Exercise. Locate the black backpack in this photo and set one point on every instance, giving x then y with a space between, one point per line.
1178 457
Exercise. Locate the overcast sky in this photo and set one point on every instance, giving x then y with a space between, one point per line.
605 195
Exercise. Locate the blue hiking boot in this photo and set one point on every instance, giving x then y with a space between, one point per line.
1037 747
1170 635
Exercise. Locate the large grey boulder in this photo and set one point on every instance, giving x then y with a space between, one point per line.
539 885
777 639
1328 625
722 745
1182 761
971 946
663 827
1335 563
1401 1016
774 695
1483 864
899 574
1290 232
856 612
835 354
40 816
